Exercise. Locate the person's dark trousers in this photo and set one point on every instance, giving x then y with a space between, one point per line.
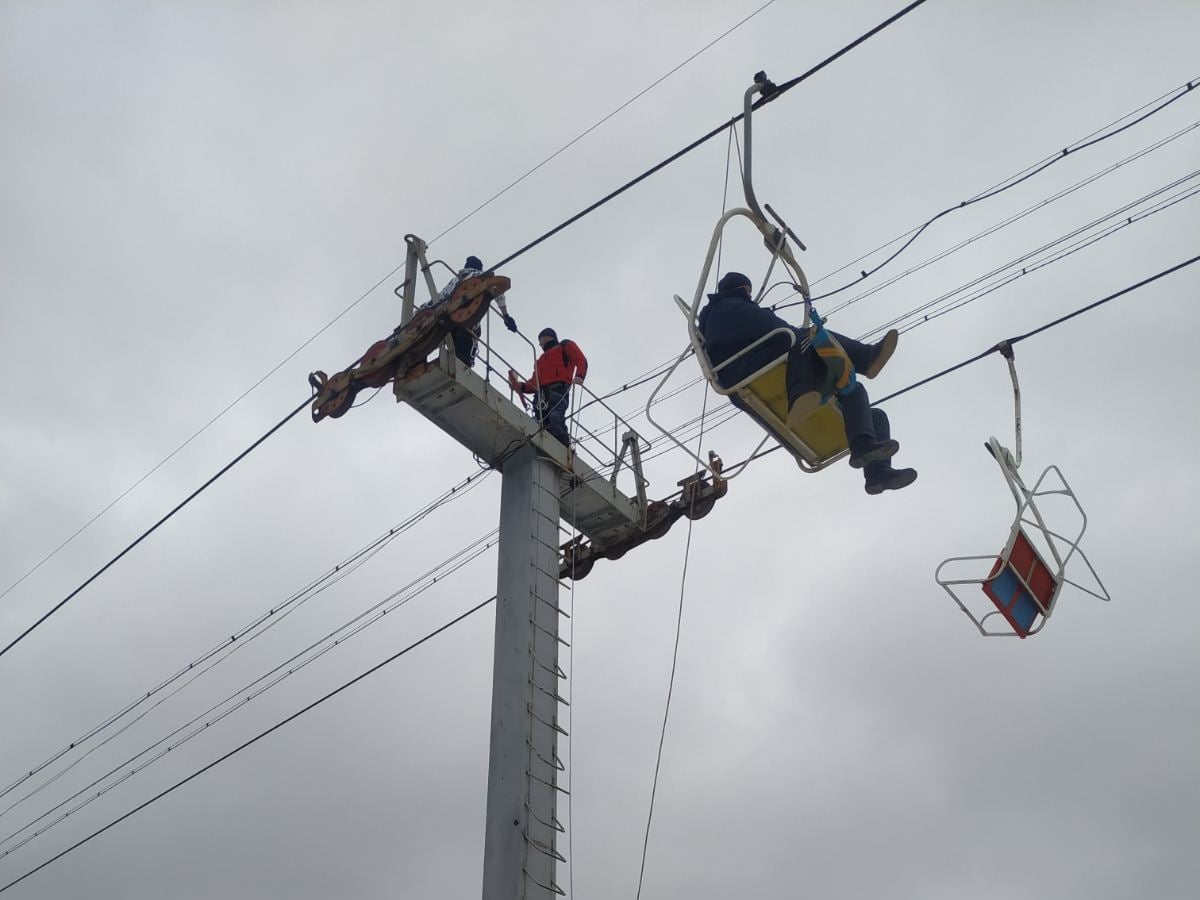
806 372
551 409
861 420
464 344
883 432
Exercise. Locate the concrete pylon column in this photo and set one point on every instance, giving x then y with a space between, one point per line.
522 834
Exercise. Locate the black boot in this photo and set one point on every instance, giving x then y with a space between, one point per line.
882 477
865 450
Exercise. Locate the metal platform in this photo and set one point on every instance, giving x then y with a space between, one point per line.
488 424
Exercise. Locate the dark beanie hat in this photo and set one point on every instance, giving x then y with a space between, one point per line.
733 280
473 262
548 332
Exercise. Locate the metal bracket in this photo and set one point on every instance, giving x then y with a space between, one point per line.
696 499
414 257
415 260
632 442
1006 350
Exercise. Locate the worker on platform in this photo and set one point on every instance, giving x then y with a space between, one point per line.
731 321
466 340
561 364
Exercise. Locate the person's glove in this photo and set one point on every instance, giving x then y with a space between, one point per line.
510 323
514 380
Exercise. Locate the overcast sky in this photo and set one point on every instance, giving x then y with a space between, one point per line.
189 191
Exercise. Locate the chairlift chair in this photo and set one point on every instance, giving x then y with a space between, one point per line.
816 438
1023 582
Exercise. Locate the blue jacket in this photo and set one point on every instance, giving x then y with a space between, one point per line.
731 321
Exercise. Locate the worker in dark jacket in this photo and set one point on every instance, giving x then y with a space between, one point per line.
466 340
560 365
731 321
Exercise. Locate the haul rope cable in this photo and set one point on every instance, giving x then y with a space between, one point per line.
251 742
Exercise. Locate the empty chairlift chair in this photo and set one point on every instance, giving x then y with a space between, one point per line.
1017 593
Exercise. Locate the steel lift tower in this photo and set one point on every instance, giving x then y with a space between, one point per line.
543 483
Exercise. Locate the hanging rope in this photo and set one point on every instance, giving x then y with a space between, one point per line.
687 551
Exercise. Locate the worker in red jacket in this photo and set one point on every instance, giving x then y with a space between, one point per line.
560 365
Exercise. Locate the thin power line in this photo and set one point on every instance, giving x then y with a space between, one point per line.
1125 214
1078 246
585 133
1016 217
1011 183
905 234
199 724
149 531
237 640
375 668
1041 328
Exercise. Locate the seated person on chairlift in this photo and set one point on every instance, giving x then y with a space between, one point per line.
732 320
561 365
466 340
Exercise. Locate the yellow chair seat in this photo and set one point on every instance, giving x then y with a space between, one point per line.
818 438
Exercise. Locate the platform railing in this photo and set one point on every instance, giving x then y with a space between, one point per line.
602 434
